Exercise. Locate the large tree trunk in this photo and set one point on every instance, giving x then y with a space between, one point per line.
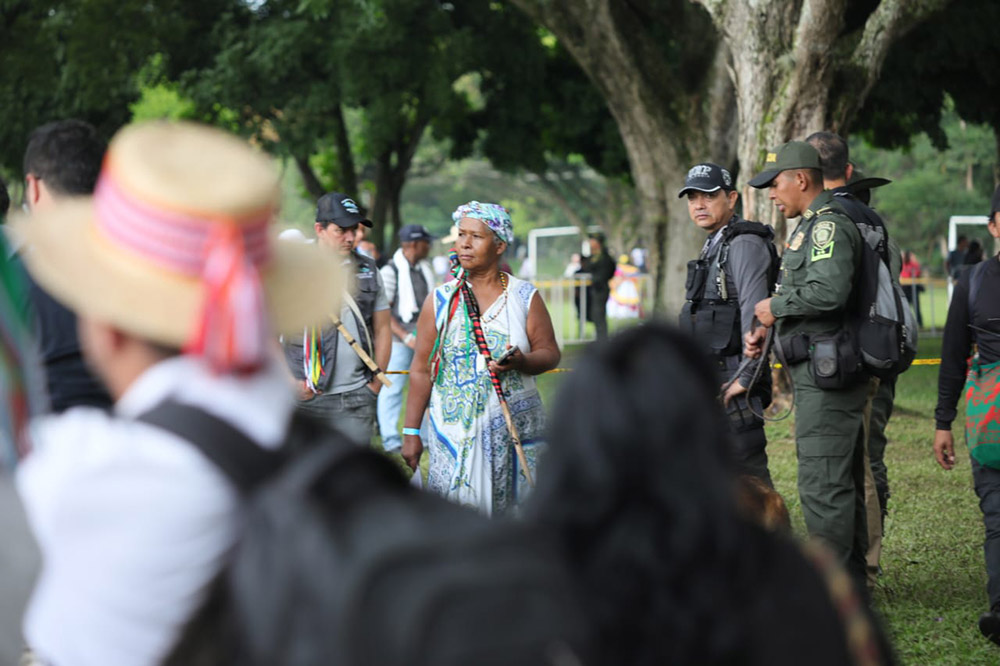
666 122
798 71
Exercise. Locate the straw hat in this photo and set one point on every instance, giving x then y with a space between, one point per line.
177 244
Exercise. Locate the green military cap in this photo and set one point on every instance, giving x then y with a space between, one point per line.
792 155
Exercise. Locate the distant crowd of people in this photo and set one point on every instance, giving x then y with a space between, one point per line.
203 488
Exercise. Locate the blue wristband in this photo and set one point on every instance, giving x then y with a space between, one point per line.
411 431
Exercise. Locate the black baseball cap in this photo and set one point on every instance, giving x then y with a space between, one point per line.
707 177
341 210
791 155
414 232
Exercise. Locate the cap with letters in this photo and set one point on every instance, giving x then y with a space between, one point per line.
707 177
792 155
341 210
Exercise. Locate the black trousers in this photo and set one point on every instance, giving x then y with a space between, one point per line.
598 310
750 451
987 483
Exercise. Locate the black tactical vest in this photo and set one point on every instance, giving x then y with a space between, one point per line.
712 311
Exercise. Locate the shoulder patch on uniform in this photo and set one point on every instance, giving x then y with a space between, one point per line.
822 240
822 233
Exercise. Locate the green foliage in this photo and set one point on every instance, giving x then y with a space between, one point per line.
539 105
955 53
79 58
929 185
160 98
294 63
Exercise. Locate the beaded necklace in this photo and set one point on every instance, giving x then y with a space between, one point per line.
503 304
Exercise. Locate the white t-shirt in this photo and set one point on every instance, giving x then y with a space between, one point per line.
132 521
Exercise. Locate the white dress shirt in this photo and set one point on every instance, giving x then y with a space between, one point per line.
132 521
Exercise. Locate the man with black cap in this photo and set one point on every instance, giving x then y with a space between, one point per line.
732 274
810 312
332 379
408 278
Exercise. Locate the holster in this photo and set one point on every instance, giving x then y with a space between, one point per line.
836 360
697 275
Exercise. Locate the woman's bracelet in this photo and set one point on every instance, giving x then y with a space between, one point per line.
411 431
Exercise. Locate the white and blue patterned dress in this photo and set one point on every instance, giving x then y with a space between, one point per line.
472 458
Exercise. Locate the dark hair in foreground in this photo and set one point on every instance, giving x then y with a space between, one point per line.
638 489
637 482
66 155
833 153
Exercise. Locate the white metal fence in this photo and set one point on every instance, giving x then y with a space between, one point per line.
566 300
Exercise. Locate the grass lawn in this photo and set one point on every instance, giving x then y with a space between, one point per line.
932 589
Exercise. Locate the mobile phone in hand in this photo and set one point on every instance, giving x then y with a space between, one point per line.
504 357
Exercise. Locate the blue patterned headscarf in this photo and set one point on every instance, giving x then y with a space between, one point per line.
494 216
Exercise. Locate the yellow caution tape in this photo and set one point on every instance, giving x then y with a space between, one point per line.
918 361
547 372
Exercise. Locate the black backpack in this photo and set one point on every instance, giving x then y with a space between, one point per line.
880 316
342 562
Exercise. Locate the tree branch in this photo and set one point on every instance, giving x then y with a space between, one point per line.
888 23
819 24
562 201
891 20
313 186
345 158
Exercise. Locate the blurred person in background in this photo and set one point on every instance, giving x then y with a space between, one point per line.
912 271
468 322
956 257
601 268
641 496
974 255
573 266
408 278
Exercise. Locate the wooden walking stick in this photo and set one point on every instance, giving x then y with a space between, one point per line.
362 354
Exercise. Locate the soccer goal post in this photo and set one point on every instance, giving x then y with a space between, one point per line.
953 223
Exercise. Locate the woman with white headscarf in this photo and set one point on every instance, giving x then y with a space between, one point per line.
472 457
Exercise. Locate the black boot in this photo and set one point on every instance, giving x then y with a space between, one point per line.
989 625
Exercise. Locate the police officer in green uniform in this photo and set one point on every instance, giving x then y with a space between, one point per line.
810 311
